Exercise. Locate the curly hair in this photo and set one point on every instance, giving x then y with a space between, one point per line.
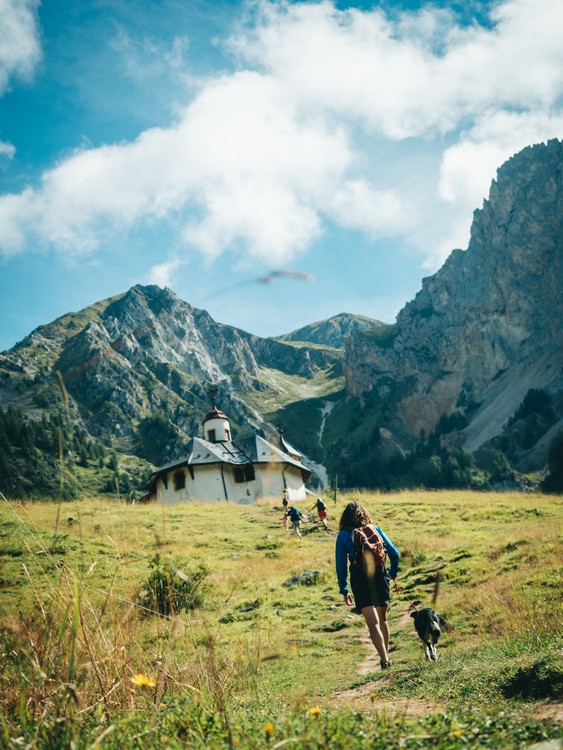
353 516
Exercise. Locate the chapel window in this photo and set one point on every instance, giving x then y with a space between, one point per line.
179 480
244 473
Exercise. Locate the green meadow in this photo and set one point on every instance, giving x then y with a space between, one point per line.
207 626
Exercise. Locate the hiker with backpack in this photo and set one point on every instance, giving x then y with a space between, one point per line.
367 547
295 518
321 511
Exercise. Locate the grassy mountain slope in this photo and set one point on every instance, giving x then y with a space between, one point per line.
331 331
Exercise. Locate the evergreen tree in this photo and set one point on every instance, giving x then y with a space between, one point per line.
5 466
500 463
4 442
554 480
124 484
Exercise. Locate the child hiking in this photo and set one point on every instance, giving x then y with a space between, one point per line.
321 511
295 518
285 517
366 547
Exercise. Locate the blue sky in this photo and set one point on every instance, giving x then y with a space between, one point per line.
201 145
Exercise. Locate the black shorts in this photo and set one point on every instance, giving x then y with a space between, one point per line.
372 591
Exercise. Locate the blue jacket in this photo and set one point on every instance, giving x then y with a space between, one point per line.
345 551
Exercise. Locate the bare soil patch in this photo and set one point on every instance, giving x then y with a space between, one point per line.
371 697
371 659
548 710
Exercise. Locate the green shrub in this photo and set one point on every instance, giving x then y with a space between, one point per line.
169 590
539 681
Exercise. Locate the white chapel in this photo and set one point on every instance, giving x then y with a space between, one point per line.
218 468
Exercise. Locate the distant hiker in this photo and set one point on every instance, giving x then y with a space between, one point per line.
366 547
295 518
321 511
285 501
285 521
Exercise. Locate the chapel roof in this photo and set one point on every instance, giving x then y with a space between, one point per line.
289 448
215 413
250 450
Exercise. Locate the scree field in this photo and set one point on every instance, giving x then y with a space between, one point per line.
206 626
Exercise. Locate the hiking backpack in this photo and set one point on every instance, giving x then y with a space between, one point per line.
294 515
370 548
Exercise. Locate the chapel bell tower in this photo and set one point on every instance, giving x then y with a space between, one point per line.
216 425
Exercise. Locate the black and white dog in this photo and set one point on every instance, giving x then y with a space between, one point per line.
427 624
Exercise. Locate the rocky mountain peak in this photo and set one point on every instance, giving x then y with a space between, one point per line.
488 325
130 360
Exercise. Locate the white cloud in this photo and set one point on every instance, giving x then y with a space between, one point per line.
7 149
17 214
148 57
163 274
238 154
358 206
19 40
262 157
417 75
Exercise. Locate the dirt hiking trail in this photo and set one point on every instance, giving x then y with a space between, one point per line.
371 696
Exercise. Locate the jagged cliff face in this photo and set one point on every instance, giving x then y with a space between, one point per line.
147 353
489 324
128 356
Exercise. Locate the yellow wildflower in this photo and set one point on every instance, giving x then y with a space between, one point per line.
373 696
269 729
242 701
315 711
457 733
143 680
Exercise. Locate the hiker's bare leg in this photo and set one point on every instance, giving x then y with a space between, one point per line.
383 625
372 621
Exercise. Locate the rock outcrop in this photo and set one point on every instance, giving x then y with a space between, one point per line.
488 326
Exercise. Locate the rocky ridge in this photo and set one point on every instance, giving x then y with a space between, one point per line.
147 352
488 326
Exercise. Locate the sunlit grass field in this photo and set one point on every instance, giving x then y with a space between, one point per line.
88 661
